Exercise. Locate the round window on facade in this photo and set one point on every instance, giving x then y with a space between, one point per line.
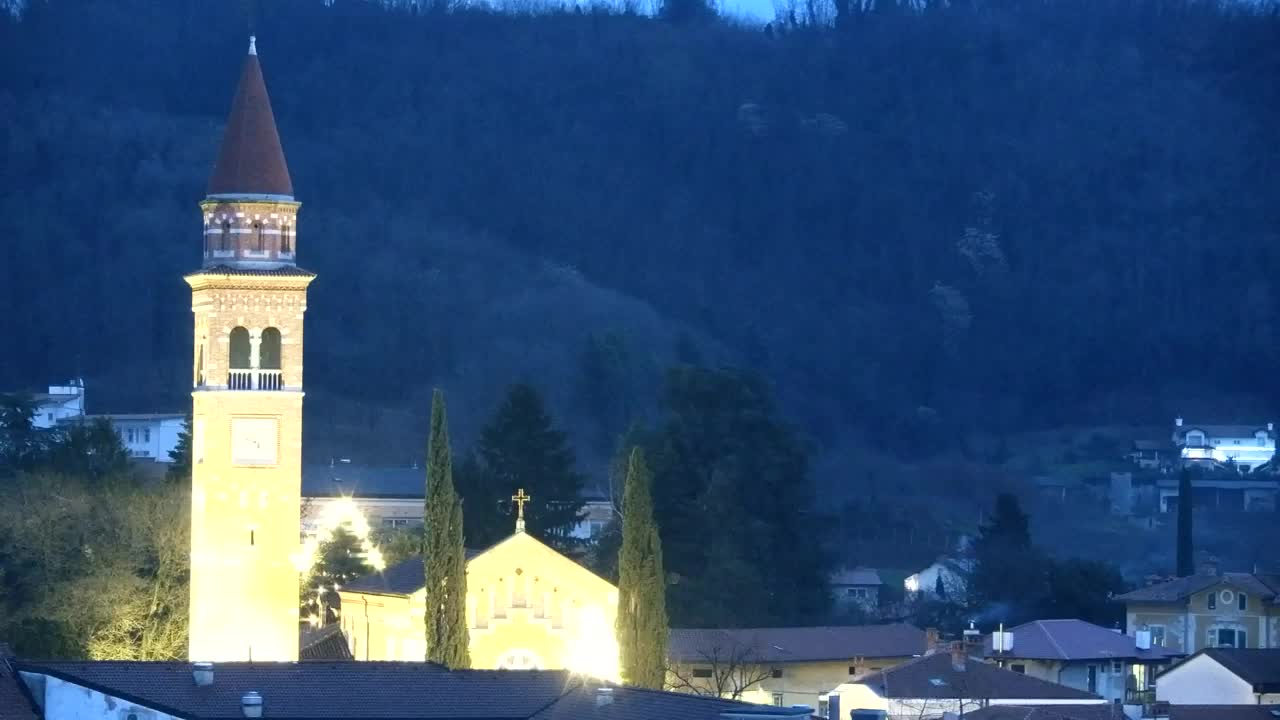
1227 596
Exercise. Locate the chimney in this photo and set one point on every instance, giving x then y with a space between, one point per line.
1271 427
930 640
604 696
251 705
959 654
1177 422
202 673
1209 566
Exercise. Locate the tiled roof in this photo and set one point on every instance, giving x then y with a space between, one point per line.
251 161
1224 712
1180 588
581 703
856 576
934 676
321 690
404 578
342 479
1259 668
798 644
1222 431
15 704
326 643
1103 711
1074 640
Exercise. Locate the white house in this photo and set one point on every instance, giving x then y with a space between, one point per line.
60 403
1243 446
953 572
147 436
948 682
1223 676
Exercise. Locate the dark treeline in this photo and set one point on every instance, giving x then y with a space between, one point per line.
917 223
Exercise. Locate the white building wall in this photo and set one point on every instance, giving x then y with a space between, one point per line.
63 700
1202 681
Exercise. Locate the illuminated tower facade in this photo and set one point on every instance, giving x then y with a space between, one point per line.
248 299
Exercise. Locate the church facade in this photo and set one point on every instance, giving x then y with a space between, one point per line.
528 608
248 299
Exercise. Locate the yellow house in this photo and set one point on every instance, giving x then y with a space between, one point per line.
528 607
787 666
1207 610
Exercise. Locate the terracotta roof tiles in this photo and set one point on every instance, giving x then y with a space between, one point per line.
251 161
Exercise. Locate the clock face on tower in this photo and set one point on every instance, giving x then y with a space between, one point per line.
254 440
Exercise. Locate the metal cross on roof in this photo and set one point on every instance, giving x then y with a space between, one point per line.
520 498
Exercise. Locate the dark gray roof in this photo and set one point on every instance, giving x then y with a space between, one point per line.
282 271
1259 668
15 704
346 480
1075 640
934 676
1104 711
1224 712
798 644
856 576
1180 588
320 690
404 578
1221 431
326 643
386 691
639 704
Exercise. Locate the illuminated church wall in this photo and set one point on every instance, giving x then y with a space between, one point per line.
527 607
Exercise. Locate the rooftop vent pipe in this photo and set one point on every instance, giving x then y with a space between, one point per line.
202 673
251 705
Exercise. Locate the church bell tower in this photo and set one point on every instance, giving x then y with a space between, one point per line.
248 299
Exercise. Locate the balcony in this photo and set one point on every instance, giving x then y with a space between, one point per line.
254 379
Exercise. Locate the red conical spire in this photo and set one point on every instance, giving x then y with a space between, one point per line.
251 161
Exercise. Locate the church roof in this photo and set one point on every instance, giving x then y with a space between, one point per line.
404 578
251 161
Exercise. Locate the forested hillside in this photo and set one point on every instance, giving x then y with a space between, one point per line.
980 216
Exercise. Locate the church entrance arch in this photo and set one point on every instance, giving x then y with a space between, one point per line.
520 660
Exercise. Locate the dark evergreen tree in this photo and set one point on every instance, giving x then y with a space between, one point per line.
340 560
520 448
1009 575
642 607
1186 544
444 560
91 450
180 456
940 588
604 390
20 442
723 459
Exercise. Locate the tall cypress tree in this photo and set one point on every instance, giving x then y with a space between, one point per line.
642 606
444 561
1186 565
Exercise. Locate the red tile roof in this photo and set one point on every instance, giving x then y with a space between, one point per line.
251 161
799 644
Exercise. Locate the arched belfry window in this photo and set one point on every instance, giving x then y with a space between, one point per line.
259 237
224 240
206 238
239 359
269 350
286 240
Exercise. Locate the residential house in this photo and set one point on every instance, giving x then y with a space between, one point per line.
61 402
392 497
950 682
146 436
1243 447
1223 492
954 572
1083 656
786 666
1208 609
121 690
1223 676
1153 454
856 589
